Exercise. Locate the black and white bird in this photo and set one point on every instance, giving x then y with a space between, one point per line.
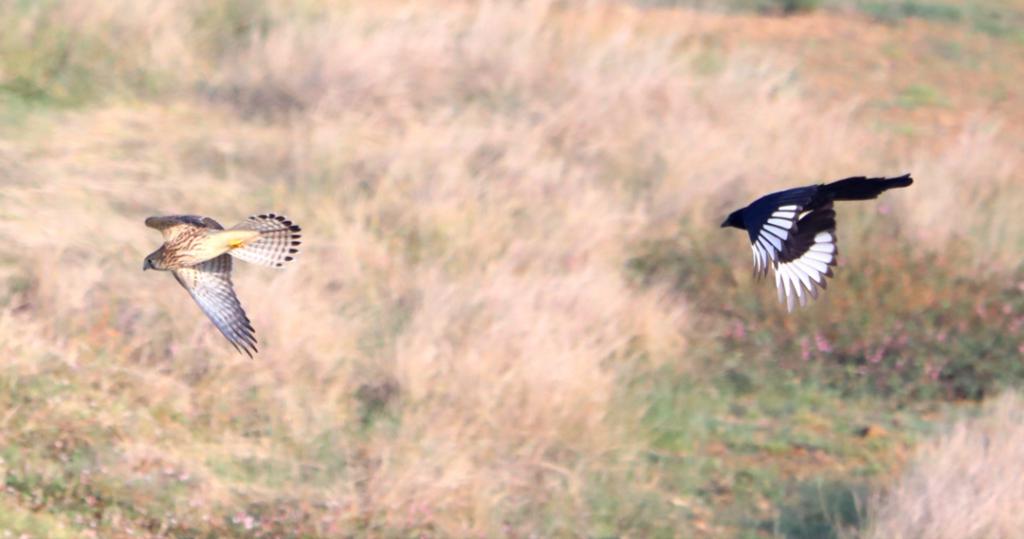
794 232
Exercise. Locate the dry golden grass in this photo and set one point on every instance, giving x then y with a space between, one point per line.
967 483
445 357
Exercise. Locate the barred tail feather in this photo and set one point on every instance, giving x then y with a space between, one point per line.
276 244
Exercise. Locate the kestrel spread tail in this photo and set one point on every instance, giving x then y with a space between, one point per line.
198 251
275 242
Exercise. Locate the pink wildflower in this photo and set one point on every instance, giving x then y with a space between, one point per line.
822 343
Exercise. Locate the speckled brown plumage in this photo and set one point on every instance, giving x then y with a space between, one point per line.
198 251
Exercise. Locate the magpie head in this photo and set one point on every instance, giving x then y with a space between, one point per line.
735 219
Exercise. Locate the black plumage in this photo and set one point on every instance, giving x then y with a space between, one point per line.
793 231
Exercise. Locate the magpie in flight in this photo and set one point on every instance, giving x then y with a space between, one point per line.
794 231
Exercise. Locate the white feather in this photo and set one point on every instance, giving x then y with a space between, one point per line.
802 274
782 234
784 277
816 266
811 271
776 242
819 257
779 286
823 247
767 248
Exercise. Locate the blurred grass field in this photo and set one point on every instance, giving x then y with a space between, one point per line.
514 313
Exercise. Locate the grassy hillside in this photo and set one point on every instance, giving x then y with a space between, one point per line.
514 313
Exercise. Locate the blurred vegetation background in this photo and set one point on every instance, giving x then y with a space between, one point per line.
514 313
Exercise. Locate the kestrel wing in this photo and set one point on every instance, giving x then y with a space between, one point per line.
209 283
173 225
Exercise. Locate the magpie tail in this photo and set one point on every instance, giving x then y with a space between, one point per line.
862 188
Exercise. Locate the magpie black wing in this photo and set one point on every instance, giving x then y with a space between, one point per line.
772 221
807 256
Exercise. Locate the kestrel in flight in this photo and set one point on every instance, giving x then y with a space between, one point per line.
198 251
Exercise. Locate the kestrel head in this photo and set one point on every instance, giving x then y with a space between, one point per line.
154 260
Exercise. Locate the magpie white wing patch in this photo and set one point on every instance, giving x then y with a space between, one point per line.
772 230
802 276
793 232
800 246
772 236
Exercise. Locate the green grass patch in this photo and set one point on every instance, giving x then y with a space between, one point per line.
776 430
20 521
997 19
896 11
224 27
898 322
48 63
734 441
824 510
920 95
